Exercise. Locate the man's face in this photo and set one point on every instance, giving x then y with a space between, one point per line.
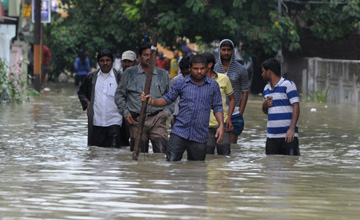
226 52
265 74
198 71
127 63
145 57
105 64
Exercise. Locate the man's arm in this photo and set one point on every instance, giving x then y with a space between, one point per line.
156 103
83 93
169 109
220 131
121 96
243 103
229 126
290 134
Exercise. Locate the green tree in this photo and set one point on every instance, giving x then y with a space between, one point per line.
257 24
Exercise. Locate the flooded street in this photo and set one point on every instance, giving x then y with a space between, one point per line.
47 171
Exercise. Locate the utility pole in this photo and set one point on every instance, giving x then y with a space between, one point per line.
37 47
279 55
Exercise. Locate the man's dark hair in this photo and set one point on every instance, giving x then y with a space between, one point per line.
198 58
144 47
226 43
210 58
105 53
184 63
273 65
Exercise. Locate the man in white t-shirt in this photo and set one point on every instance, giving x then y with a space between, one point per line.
281 104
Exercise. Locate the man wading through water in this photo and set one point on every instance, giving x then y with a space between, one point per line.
96 95
281 104
238 76
127 99
198 95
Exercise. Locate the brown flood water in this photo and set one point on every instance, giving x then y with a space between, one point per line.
48 172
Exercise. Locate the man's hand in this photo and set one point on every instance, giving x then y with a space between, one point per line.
228 124
219 134
290 134
129 119
269 101
144 97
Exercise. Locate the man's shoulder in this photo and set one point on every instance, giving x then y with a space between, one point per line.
132 69
240 68
288 82
211 81
161 72
92 73
267 86
222 76
177 77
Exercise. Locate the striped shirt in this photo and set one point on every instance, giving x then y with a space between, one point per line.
280 114
237 74
195 104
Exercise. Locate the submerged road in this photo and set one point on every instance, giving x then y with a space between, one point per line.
48 172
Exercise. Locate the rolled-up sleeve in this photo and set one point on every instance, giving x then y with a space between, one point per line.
173 93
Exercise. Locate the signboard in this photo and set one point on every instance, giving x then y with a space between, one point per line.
45 12
5 3
54 5
1 12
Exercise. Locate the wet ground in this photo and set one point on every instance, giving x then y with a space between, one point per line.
48 172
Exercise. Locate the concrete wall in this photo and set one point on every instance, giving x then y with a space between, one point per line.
7 32
315 74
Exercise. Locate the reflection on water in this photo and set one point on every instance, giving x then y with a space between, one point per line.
48 172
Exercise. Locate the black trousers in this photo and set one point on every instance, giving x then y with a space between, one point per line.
106 136
177 146
279 146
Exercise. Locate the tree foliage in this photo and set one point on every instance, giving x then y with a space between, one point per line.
257 24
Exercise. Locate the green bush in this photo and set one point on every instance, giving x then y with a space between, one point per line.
12 87
317 96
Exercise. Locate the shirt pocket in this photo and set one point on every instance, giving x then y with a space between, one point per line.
111 89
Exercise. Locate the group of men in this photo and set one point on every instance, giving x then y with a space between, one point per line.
206 104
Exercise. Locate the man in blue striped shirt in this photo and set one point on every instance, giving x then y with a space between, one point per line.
281 104
198 95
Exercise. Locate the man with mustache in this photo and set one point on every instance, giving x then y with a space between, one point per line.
127 99
198 95
96 95
128 59
238 76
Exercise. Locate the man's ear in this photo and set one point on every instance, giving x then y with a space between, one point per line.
210 65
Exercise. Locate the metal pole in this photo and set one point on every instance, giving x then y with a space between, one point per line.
279 55
37 46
